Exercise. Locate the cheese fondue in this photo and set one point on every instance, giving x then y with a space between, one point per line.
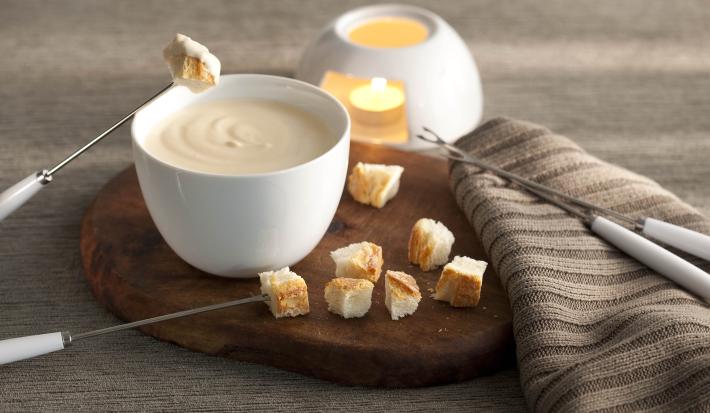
240 136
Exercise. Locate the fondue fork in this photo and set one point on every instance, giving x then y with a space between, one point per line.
643 250
16 195
22 348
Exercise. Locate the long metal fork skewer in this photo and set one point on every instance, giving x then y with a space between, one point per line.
165 317
94 141
457 154
654 256
21 348
15 196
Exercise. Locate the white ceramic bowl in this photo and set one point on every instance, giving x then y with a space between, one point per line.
238 225
440 76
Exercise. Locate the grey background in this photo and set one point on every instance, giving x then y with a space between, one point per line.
628 80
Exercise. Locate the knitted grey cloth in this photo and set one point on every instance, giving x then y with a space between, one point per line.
595 330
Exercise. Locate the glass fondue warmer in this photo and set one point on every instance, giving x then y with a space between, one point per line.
396 68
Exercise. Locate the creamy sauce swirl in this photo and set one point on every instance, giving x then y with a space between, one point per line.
240 136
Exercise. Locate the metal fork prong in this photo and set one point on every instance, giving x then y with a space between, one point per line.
458 154
453 152
436 135
424 138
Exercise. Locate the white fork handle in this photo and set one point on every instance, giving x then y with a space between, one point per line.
16 195
682 238
654 256
21 348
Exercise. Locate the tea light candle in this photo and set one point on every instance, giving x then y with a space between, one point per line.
376 103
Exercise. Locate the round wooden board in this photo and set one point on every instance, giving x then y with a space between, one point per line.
136 275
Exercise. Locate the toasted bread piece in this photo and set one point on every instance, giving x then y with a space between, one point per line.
193 71
191 64
359 260
288 293
374 184
460 282
349 297
430 244
402 294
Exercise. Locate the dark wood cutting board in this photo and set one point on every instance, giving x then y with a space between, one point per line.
136 275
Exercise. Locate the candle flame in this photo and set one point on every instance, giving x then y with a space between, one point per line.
378 84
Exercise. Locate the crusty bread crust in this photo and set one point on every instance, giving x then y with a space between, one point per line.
429 244
368 262
460 284
288 293
358 185
464 289
468 292
420 249
194 69
291 298
365 263
374 184
403 285
347 284
402 294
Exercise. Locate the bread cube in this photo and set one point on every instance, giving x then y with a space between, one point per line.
191 64
430 244
191 70
349 297
460 282
359 260
288 293
374 184
402 294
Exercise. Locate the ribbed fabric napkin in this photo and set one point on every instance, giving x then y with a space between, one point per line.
595 330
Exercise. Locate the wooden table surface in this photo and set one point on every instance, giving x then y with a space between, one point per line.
627 80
